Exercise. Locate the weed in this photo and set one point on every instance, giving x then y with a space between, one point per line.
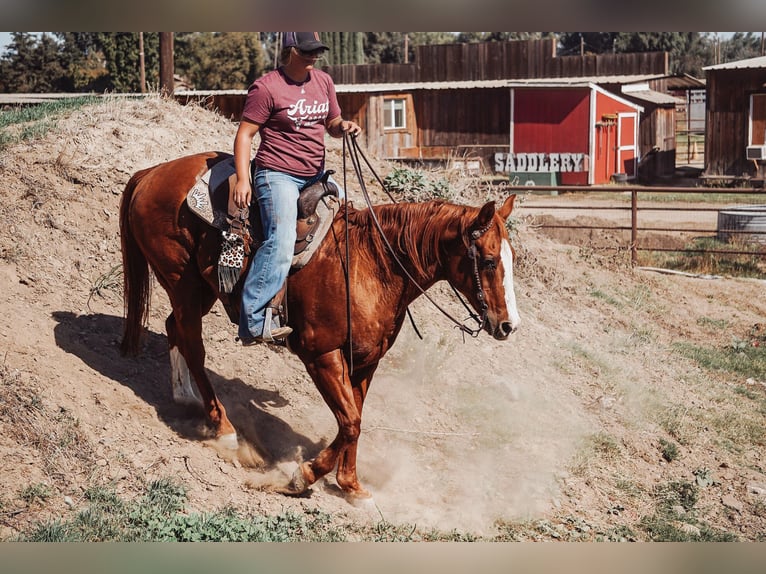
598 294
683 493
109 281
661 528
712 324
159 515
669 450
703 477
36 493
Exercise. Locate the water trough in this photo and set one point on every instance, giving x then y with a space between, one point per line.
744 223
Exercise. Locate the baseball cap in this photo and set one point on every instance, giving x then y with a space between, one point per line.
304 41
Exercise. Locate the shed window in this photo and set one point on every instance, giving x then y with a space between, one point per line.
758 119
394 116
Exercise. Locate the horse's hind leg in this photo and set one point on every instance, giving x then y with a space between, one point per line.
184 389
187 361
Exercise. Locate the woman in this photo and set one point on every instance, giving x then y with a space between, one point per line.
291 108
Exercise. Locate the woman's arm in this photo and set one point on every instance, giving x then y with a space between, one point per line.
243 144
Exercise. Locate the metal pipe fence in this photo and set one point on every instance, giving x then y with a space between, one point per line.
643 214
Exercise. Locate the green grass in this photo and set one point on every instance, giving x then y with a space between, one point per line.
31 122
740 358
749 264
160 516
673 519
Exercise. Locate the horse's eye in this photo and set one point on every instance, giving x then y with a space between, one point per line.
489 264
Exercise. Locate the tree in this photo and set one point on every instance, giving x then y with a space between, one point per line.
388 47
32 64
572 43
120 53
220 60
740 46
345 47
688 51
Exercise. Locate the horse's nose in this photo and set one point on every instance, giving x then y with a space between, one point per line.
505 329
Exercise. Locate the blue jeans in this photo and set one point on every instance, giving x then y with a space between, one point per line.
277 196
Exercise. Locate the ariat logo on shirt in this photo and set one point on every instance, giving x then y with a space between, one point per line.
304 115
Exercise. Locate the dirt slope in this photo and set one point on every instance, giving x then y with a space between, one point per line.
558 429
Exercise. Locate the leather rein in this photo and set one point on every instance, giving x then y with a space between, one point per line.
354 153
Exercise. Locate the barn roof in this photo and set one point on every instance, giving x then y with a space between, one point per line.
684 82
750 63
583 81
654 97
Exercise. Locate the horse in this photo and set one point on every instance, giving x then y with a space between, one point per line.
345 314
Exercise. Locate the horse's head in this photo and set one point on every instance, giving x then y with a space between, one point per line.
485 276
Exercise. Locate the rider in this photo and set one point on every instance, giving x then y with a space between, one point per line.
291 108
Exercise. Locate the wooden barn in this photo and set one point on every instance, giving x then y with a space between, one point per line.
567 131
735 130
478 105
657 129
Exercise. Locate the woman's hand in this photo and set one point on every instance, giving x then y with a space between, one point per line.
243 193
339 126
350 128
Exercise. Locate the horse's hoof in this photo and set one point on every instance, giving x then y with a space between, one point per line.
228 441
363 502
298 483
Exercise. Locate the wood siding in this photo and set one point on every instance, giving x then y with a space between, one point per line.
548 120
727 122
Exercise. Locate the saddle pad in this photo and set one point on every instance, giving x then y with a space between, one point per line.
205 200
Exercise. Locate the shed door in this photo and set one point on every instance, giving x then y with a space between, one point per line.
627 143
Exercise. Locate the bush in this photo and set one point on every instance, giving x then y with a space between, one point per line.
414 186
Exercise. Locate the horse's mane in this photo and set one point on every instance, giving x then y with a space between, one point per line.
414 231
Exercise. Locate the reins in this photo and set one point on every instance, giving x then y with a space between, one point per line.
354 153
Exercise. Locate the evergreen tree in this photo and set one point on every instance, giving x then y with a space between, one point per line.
345 47
741 46
388 47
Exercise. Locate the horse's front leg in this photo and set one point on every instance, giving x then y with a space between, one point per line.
330 374
347 478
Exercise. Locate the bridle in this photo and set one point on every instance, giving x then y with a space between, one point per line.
354 153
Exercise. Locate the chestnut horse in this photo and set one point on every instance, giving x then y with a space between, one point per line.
431 241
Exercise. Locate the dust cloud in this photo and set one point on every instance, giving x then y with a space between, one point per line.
458 435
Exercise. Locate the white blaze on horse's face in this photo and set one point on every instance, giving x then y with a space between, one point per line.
506 255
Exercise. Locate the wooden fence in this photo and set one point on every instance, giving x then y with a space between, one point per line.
653 219
498 61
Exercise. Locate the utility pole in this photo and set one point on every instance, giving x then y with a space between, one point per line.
406 48
141 64
166 64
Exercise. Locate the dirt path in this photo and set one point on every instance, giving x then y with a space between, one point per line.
561 425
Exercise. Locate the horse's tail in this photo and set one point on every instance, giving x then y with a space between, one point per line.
135 275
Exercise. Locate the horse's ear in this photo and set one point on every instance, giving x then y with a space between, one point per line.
486 214
507 207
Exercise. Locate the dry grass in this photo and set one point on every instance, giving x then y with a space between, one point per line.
54 434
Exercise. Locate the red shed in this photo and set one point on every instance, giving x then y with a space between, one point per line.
570 134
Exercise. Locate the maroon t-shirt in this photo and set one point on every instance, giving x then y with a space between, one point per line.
292 117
